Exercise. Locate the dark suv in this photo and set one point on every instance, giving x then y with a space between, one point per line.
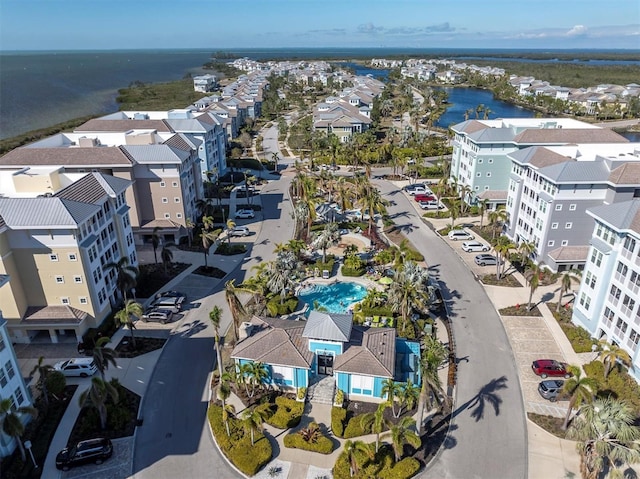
93 450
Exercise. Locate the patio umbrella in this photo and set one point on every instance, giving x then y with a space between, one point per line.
385 280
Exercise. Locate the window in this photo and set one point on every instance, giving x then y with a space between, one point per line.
73 257
568 225
178 215
590 280
281 374
585 301
488 174
3 378
174 184
165 200
490 160
572 207
2 345
176 199
615 291
628 302
64 300
60 279
564 243
83 300
551 243
596 257
554 226
77 279
362 384
634 337
19 396
558 207
622 268
167 216
608 316
10 371
162 184
53 257
629 244
478 175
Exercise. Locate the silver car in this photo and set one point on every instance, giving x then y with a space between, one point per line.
158 315
486 260
551 389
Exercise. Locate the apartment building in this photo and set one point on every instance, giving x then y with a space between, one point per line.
207 128
12 385
162 168
59 232
205 83
607 303
480 161
552 188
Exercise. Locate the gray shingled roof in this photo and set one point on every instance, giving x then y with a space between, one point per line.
469 126
93 187
123 125
493 135
72 156
532 136
328 326
538 156
54 315
569 253
19 213
371 351
621 216
627 174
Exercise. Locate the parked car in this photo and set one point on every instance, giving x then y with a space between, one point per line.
239 231
168 302
157 315
420 190
424 197
459 234
250 188
407 188
550 367
431 205
486 260
173 294
470 246
92 450
83 367
245 214
551 389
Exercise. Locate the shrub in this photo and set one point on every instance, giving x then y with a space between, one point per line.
288 413
580 339
227 249
403 469
618 384
309 439
382 467
301 393
56 382
339 397
354 427
237 447
352 272
275 308
338 417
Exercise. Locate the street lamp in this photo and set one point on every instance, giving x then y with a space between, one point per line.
27 446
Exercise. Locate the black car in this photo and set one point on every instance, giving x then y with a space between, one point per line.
92 450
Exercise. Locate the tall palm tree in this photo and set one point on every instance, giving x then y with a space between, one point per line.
409 291
12 424
230 225
189 225
532 275
433 356
125 316
103 355
166 255
215 315
228 410
373 203
454 210
274 158
356 453
374 422
326 238
97 395
43 371
607 437
236 307
502 248
126 275
253 420
566 281
205 206
155 242
611 355
409 394
482 208
283 274
526 249
498 218
403 433
581 389
390 390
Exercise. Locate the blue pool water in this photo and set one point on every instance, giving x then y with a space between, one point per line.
336 297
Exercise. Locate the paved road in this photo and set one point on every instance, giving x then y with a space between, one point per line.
488 436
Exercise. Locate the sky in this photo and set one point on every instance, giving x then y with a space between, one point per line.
227 24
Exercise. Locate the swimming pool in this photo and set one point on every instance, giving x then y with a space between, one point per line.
335 298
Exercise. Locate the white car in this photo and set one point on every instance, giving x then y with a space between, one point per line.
431 205
245 214
470 246
458 234
83 367
240 231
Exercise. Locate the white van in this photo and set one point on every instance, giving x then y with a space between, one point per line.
83 367
456 235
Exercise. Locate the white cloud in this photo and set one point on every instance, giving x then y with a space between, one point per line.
578 30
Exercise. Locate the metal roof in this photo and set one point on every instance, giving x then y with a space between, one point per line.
150 154
45 212
93 187
328 326
620 216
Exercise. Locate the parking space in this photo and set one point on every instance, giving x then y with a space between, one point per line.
118 465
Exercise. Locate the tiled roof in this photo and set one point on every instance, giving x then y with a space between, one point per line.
627 174
569 253
124 125
493 195
331 327
532 136
72 156
93 187
538 156
469 126
371 351
54 315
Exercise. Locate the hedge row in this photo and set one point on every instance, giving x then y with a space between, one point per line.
323 445
237 446
620 384
288 413
338 417
580 339
383 466
354 427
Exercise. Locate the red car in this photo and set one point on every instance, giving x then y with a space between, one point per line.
424 198
550 367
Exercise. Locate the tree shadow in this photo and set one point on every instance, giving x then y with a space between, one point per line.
404 228
487 396
189 329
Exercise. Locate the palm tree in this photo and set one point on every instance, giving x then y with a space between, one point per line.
409 394
611 355
97 395
373 203
228 410
532 275
205 206
257 373
155 242
103 355
236 307
502 249
356 452
189 225
215 315
12 424
374 422
454 210
390 389
126 275
125 316
401 434
282 274
253 420
581 389
433 356
43 371
409 290
607 437
166 255
497 218
230 225
482 208
568 277
274 158
526 249
328 237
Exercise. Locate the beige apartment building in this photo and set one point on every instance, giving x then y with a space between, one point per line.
59 232
162 169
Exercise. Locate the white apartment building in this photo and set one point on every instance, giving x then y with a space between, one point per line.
480 159
551 189
608 301
58 233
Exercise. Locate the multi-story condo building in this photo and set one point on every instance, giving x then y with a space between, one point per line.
59 233
552 188
608 301
162 168
480 165
206 127
12 385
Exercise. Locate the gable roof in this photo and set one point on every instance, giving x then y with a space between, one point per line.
371 351
330 327
73 156
568 135
45 212
93 187
623 216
